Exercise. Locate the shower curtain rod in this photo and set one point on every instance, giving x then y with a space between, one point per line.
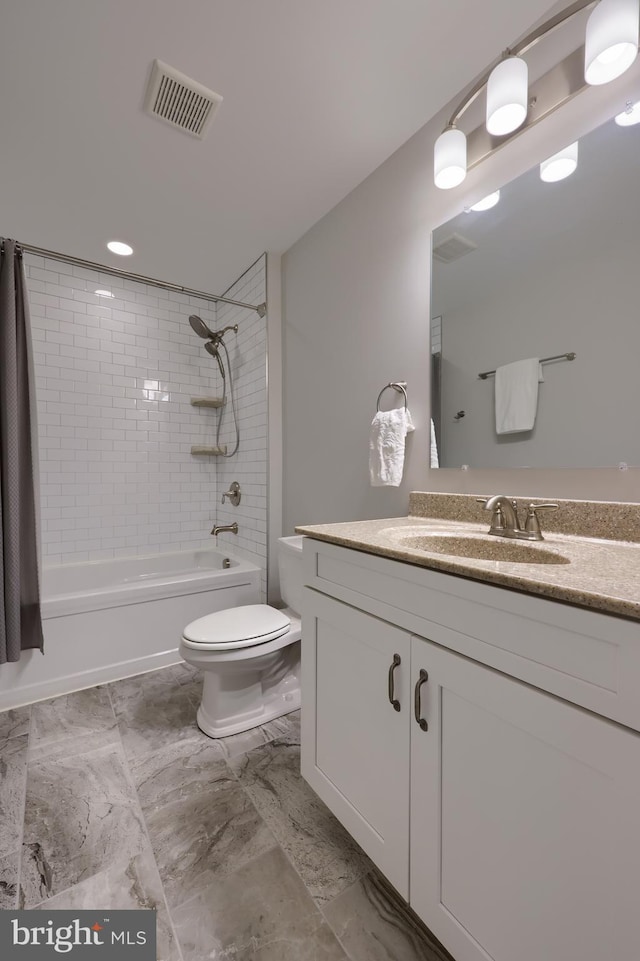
261 309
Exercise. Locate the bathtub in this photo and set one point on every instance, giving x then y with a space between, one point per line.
105 620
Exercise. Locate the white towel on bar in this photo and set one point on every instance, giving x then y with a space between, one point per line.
389 429
434 460
517 395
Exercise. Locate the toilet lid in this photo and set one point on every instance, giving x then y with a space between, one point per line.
238 626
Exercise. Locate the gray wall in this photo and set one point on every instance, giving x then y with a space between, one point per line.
356 315
356 294
587 410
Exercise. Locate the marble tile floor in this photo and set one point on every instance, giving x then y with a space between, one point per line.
112 798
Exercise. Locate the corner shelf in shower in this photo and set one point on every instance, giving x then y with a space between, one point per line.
207 402
210 451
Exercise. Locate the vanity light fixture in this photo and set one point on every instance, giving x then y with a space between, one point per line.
630 115
450 158
611 42
120 248
507 96
560 165
487 202
611 46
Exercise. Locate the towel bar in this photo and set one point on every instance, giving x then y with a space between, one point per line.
543 360
399 385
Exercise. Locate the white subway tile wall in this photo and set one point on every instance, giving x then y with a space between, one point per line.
248 354
114 378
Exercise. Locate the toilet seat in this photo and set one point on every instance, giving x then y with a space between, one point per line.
247 626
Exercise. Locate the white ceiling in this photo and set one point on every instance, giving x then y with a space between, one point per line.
317 94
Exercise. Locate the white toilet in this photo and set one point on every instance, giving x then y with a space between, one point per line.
250 655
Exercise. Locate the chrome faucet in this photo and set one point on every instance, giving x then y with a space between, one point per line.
505 522
232 528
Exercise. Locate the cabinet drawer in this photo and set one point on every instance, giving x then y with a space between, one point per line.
586 657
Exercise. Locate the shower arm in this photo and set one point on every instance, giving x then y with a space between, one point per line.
220 333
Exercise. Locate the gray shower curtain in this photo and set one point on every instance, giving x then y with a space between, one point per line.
20 621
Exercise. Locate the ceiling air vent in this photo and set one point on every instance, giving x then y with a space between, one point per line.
180 101
453 247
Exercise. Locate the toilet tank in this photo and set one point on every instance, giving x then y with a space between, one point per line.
291 571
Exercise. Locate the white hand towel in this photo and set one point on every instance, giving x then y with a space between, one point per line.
434 460
389 429
517 395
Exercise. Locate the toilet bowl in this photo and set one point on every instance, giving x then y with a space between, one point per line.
250 655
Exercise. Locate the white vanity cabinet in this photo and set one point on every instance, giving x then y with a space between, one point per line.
359 744
525 820
510 819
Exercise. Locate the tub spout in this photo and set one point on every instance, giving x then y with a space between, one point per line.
233 528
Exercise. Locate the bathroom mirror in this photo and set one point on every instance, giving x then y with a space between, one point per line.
551 269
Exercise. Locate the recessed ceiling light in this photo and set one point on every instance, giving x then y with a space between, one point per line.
103 293
118 247
630 115
487 202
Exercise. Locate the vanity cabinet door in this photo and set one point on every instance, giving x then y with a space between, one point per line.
525 823
355 743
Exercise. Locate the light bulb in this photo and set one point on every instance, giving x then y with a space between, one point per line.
487 202
507 96
560 165
611 42
450 159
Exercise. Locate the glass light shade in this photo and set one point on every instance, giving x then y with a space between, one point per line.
611 42
629 116
103 293
487 202
118 247
507 96
561 165
450 159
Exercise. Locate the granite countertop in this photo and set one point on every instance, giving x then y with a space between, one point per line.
595 573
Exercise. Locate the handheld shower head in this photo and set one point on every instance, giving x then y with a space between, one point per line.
211 348
200 328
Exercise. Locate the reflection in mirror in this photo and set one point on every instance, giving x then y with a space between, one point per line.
551 269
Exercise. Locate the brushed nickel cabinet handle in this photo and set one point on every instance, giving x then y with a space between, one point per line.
392 696
417 706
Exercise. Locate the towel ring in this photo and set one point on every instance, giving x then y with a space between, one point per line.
401 389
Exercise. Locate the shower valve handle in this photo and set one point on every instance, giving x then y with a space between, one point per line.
234 494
